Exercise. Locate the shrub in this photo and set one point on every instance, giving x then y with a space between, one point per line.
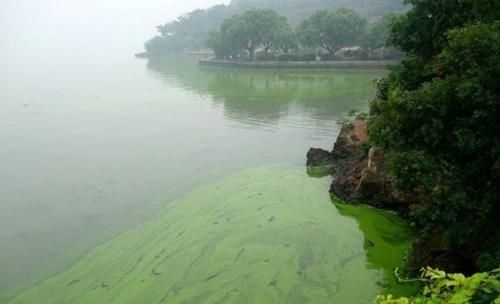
288 57
480 288
328 57
308 57
266 57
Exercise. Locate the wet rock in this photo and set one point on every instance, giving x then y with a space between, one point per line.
318 157
433 250
319 163
360 172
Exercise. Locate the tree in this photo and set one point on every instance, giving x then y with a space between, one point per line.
258 28
216 42
437 116
193 28
285 38
268 23
234 36
189 31
161 45
332 30
376 38
253 29
378 32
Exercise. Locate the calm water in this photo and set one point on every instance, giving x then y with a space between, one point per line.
91 152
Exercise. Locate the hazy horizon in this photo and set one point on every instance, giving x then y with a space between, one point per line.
34 30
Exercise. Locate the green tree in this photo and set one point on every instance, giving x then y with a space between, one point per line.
192 29
378 32
332 30
249 31
216 42
234 36
285 38
257 29
437 115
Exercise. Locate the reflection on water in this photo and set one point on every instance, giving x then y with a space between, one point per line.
258 97
90 152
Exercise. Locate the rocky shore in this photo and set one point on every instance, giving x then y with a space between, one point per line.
360 172
361 175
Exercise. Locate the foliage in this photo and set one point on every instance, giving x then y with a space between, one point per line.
480 288
266 57
258 28
437 116
423 30
285 37
190 31
297 10
328 57
253 29
378 32
288 57
308 57
331 30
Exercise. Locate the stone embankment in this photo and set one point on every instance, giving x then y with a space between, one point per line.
359 64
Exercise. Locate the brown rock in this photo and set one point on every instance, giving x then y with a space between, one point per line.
359 175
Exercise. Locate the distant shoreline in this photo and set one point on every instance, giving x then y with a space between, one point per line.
347 64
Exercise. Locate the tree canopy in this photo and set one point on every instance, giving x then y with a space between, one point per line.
190 31
377 34
261 29
332 30
253 29
437 115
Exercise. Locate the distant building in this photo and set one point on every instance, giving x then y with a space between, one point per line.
351 52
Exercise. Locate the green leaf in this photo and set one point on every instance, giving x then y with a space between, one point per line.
459 298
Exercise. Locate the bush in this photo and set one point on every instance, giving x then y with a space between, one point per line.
328 57
453 288
288 57
437 116
266 57
308 57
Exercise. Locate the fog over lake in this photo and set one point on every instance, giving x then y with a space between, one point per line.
94 142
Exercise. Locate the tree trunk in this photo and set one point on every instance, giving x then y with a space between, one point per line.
251 53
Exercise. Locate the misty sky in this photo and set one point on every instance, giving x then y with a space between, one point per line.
36 29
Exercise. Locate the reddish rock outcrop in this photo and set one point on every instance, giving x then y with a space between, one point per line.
360 172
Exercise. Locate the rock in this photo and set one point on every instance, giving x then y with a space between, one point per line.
360 173
376 182
319 163
432 250
318 157
352 136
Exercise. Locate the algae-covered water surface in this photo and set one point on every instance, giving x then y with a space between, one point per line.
89 153
98 199
264 235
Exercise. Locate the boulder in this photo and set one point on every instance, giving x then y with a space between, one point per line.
360 172
318 157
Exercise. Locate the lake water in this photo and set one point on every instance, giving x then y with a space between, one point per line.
90 153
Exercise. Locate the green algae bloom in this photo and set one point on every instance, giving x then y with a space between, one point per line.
264 235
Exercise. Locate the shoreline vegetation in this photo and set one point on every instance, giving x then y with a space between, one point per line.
279 26
429 148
